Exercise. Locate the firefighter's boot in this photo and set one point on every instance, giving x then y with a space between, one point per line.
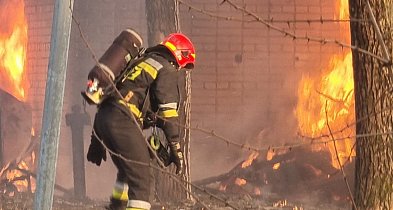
119 198
116 204
138 205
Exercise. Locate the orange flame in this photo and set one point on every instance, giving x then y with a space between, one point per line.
250 159
270 154
240 181
328 100
13 47
276 166
23 184
22 181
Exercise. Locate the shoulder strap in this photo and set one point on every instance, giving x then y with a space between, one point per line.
129 66
146 103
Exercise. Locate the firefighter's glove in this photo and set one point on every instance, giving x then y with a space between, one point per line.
177 156
96 152
149 121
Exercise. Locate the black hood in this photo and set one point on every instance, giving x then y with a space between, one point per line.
162 51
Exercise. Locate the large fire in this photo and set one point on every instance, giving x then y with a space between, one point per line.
327 100
13 47
13 79
19 173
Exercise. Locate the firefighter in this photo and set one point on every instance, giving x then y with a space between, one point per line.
152 82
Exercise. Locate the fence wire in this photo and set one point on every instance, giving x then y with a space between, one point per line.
303 139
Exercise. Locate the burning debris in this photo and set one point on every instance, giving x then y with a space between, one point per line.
290 175
18 174
17 146
326 99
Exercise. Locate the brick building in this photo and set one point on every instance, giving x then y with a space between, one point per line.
244 86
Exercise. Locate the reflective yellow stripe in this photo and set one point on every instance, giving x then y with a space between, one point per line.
138 205
132 108
169 113
123 196
149 69
193 55
170 45
136 72
143 66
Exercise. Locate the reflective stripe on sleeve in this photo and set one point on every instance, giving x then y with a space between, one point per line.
168 105
168 113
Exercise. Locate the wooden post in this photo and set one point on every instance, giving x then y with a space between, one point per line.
54 93
77 120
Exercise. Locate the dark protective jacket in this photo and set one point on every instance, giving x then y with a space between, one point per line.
152 86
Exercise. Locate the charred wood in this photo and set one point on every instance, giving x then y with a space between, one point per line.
290 174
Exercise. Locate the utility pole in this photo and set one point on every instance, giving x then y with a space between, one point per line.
54 93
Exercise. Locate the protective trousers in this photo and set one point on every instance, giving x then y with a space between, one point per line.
122 136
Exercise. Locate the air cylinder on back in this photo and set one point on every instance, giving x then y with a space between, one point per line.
124 48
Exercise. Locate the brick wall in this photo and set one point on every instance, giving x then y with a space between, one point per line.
244 86
39 18
245 83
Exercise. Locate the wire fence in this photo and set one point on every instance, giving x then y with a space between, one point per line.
303 140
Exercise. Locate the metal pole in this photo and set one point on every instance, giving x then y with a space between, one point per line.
54 93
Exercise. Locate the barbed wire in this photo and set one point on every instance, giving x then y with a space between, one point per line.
228 141
338 159
181 182
313 140
272 20
286 33
307 140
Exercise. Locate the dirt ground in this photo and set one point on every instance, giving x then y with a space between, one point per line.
25 201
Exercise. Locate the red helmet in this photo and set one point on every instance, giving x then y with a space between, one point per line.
182 48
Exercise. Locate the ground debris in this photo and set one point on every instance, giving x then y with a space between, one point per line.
25 201
226 201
